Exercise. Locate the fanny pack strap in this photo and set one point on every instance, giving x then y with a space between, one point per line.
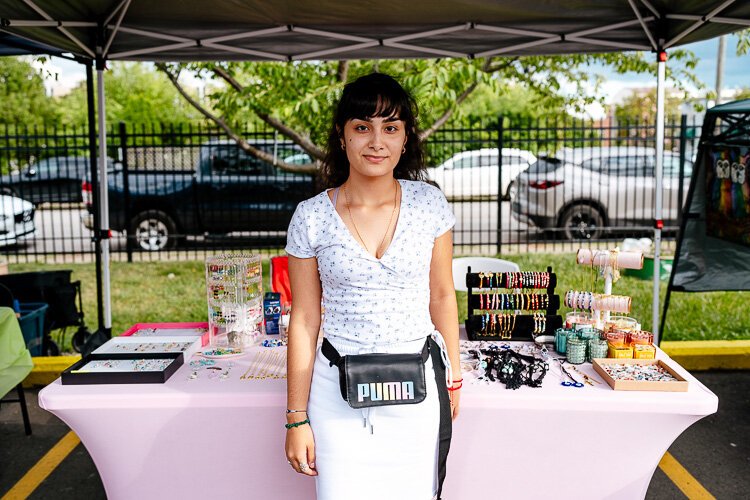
334 358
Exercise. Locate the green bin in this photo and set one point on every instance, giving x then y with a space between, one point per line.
647 273
32 325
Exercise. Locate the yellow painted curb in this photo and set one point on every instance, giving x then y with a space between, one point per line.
710 354
47 369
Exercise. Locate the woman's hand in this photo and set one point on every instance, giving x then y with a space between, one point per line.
300 449
455 397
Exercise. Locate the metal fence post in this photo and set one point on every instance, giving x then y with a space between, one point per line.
683 148
126 189
499 236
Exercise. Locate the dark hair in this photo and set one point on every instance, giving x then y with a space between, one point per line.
374 95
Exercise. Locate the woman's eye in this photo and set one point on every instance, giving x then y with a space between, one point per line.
361 128
391 129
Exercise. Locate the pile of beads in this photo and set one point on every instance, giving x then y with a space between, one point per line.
273 343
647 373
222 351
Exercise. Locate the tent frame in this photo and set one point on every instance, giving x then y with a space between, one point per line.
114 24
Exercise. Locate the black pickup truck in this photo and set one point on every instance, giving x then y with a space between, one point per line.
228 191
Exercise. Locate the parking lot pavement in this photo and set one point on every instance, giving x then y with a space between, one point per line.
715 451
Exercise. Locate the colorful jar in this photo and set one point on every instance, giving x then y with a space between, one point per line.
576 351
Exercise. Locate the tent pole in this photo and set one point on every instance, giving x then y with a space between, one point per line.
94 169
103 195
661 63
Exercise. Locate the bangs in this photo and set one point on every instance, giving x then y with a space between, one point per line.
365 107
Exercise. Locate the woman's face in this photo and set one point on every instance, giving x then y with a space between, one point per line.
373 146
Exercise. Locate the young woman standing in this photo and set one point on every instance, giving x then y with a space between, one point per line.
377 249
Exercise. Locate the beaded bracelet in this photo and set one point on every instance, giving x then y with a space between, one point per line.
297 424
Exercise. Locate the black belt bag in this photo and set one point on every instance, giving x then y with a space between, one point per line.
379 379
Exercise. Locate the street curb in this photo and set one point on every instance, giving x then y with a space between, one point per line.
702 355
47 369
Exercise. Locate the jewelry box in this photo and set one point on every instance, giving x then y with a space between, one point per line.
111 368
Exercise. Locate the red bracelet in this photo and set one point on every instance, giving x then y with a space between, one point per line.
459 380
455 388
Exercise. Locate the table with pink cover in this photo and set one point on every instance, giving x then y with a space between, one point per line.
208 438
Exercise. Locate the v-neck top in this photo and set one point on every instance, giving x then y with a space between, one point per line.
370 301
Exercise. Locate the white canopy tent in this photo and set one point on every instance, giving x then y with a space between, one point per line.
193 30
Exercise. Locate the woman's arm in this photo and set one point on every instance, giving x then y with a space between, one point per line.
443 308
304 326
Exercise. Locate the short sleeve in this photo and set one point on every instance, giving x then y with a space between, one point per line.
297 236
444 217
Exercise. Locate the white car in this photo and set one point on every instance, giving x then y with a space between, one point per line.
477 174
16 220
582 192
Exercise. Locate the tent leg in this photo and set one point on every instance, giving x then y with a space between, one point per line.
103 195
658 222
94 169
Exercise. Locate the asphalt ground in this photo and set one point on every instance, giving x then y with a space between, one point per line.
710 459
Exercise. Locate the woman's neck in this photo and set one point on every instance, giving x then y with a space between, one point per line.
370 190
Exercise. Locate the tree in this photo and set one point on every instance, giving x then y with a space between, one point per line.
22 93
296 98
135 93
640 106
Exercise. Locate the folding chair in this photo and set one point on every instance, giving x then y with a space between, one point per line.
279 268
15 362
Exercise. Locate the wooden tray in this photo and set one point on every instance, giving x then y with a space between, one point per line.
679 385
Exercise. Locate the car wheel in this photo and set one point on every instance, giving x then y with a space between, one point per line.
50 347
153 231
511 192
582 222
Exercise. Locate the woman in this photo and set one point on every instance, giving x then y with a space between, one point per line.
377 248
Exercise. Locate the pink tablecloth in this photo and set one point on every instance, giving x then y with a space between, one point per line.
207 438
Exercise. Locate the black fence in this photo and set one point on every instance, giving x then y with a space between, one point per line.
184 192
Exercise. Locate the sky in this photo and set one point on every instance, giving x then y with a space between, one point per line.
614 88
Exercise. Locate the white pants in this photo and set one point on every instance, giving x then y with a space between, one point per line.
391 456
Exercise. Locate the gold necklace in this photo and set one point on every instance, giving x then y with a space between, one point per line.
387 229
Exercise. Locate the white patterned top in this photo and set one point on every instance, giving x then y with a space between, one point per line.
368 301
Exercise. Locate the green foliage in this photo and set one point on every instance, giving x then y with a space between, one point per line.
24 100
135 93
743 42
640 107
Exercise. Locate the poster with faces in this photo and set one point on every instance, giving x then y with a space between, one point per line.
728 193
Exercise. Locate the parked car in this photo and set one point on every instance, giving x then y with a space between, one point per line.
582 191
226 191
16 220
473 175
54 179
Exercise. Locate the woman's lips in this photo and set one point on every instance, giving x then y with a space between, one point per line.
375 159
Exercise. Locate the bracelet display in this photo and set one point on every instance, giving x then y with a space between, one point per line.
297 424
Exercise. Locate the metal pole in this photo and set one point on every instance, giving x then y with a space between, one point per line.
94 190
720 67
103 195
661 65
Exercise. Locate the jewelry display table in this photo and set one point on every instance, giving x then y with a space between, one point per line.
224 438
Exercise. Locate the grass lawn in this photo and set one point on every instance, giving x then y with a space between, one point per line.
175 291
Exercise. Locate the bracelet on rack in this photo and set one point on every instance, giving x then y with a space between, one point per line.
297 424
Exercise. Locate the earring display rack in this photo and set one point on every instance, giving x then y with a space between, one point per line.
503 318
